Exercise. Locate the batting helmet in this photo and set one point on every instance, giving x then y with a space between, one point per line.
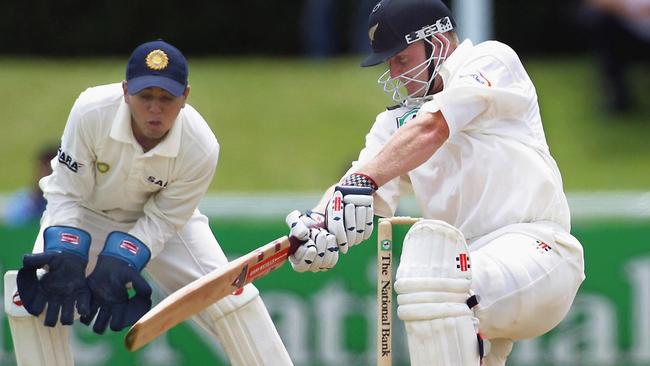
395 24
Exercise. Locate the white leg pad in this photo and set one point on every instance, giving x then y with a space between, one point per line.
433 285
246 332
34 343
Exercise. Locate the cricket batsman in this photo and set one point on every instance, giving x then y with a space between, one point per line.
134 161
494 258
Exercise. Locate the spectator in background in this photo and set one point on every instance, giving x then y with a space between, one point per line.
28 204
621 34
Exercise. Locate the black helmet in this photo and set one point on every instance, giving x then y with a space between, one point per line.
395 24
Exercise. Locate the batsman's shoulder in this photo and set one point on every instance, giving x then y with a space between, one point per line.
496 50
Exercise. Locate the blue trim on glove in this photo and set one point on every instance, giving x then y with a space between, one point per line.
128 248
67 239
354 190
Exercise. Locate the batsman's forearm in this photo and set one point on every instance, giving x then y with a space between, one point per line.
408 148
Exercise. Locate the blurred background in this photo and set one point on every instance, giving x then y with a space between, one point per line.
280 85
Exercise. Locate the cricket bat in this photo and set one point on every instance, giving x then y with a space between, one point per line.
203 292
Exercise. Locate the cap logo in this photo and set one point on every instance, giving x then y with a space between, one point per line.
157 60
371 32
442 25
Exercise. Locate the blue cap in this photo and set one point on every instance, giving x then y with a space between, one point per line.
157 64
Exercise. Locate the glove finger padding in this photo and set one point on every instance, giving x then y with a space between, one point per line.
335 224
350 218
320 240
367 230
331 250
304 256
357 224
361 222
297 228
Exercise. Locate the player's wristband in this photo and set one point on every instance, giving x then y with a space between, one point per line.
359 180
128 248
67 239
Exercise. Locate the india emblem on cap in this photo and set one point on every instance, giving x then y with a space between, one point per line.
157 60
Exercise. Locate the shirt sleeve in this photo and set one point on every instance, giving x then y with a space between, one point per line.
485 85
166 212
73 176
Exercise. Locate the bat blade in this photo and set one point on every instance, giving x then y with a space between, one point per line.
203 292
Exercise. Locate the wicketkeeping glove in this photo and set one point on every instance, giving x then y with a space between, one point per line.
319 251
349 214
119 264
63 286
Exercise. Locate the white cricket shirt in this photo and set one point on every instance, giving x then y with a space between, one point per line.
101 167
495 169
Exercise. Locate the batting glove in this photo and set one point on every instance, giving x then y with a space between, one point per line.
319 251
350 212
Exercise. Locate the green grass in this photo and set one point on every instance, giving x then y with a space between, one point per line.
290 124
595 151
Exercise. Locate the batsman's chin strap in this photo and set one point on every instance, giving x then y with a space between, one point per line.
471 302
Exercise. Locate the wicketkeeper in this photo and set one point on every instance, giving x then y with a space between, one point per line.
466 137
134 161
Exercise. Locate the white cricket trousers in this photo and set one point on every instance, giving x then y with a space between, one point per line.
526 276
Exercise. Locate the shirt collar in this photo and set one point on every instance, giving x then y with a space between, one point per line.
454 61
121 131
